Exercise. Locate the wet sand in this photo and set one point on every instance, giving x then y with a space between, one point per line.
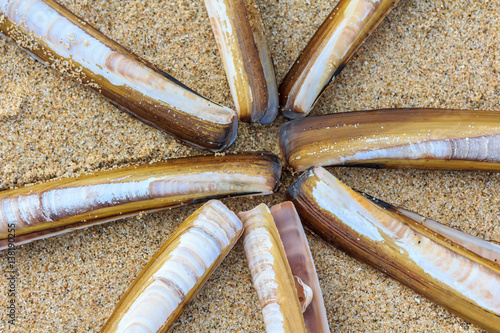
440 54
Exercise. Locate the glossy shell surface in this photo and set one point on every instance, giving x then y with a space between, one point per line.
395 138
483 248
439 54
462 281
177 271
247 61
272 278
52 208
301 263
326 54
61 40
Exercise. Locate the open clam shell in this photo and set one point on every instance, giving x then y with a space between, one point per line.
177 271
301 263
395 138
56 207
434 266
247 61
326 54
271 274
61 40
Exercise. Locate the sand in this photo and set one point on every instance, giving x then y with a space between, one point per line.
441 54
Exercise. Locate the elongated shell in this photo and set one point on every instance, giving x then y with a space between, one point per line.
63 41
454 277
326 54
479 246
301 263
247 61
395 138
271 274
177 271
56 207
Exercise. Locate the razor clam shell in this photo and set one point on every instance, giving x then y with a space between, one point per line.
61 40
177 271
481 247
439 269
259 34
246 58
395 138
326 54
271 274
60 206
301 263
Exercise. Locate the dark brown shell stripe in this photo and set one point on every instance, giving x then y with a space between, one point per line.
483 248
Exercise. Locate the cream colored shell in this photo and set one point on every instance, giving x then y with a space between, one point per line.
191 255
271 274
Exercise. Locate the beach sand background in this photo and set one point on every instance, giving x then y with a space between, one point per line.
440 54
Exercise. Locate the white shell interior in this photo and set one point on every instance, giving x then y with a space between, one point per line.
355 17
257 243
474 281
70 42
482 148
52 205
197 250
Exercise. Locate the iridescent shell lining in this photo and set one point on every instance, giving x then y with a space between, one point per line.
177 271
271 274
51 208
54 35
416 256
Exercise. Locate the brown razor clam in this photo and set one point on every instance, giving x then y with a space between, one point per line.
395 138
326 54
247 61
271 274
177 271
63 205
301 263
63 41
433 265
